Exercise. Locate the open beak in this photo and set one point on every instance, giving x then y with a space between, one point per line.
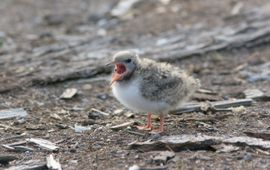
115 78
119 72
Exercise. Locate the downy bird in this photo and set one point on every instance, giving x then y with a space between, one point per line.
144 85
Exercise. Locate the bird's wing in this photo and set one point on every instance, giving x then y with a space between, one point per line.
162 83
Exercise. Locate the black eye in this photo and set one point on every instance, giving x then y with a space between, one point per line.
128 60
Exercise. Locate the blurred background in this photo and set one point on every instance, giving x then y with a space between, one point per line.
76 33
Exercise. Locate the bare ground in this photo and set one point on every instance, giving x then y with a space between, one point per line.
26 26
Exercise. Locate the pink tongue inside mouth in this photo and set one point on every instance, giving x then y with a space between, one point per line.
120 68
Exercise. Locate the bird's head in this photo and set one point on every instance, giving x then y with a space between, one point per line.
125 64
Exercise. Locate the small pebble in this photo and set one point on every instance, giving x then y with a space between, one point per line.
155 136
103 96
80 129
95 115
118 111
87 87
129 115
134 167
247 157
19 121
73 161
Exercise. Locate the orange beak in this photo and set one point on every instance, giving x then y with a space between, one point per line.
118 72
115 78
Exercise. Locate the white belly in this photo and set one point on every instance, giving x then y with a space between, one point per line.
130 96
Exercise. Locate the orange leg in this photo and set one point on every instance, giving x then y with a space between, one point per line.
161 126
149 123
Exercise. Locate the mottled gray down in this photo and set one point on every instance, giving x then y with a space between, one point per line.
164 82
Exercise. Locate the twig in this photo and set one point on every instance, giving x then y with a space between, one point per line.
100 112
126 124
70 75
45 144
262 135
214 106
135 133
154 168
12 113
31 164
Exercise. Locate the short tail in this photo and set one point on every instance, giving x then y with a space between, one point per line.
190 87
193 85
